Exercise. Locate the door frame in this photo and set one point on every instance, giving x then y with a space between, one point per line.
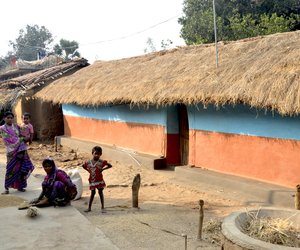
183 124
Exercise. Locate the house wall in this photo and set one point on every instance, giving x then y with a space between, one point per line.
246 142
139 129
46 117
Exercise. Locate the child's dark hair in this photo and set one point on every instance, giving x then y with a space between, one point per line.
49 161
7 113
97 149
26 115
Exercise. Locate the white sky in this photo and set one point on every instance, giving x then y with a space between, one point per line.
91 21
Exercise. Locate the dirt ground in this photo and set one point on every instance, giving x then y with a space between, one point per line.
168 209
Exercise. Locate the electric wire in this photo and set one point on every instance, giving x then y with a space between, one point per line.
109 40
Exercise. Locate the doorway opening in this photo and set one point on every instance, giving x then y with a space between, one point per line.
183 134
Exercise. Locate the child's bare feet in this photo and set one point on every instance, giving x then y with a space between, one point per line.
87 210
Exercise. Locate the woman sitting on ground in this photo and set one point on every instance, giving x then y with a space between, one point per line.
57 187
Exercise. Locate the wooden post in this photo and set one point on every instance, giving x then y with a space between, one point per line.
297 197
201 215
185 241
55 142
135 190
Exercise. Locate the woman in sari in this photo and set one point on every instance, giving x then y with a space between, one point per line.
19 165
57 187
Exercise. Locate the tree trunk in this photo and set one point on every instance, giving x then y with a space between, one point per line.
135 190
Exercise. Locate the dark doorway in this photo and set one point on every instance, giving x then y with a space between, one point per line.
183 134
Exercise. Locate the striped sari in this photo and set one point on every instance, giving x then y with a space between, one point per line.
18 170
19 165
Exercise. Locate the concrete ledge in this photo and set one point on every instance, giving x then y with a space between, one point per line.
234 238
126 156
250 191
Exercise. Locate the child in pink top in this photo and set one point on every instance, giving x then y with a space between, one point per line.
26 128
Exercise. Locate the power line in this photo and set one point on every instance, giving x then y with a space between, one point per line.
110 40
133 34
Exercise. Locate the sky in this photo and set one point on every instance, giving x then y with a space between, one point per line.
104 29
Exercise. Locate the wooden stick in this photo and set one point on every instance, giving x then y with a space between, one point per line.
55 142
297 197
135 190
201 215
185 241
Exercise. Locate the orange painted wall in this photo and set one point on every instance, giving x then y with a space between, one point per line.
273 160
140 137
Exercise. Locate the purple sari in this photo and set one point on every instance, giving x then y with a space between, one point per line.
58 187
19 165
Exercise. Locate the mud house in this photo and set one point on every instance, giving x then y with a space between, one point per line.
17 94
241 118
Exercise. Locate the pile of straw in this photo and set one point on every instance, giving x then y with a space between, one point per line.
273 230
212 229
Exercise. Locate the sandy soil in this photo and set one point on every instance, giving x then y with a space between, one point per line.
168 209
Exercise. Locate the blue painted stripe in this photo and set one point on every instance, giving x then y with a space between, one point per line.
120 113
244 121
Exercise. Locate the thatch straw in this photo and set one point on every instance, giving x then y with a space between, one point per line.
273 230
262 72
12 89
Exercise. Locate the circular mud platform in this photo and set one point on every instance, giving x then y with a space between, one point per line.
235 239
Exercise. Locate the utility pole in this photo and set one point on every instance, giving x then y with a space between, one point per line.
215 29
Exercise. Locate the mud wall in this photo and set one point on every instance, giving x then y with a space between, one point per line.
46 117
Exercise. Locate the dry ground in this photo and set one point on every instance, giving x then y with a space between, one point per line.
168 208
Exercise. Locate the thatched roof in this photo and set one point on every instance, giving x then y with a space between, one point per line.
15 72
23 67
262 72
12 89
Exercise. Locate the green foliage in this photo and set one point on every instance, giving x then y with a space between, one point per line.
243 26
281 7
237 19
273 24
30 41
67 48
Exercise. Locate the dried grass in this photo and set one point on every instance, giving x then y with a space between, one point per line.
273 230
262 72
212 230
11 90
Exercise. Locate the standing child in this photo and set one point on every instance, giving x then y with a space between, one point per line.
95 167
26 128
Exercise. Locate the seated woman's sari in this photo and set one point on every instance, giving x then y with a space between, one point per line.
19 165
58 188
